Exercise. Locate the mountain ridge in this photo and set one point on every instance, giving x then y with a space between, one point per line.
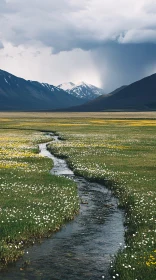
82 90
140 95
20 94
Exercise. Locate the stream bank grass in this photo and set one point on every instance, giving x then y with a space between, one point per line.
121 153
33 203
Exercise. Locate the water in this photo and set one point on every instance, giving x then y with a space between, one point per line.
81 250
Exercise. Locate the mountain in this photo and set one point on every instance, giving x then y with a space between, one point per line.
19 95
66 86
82 90
140 95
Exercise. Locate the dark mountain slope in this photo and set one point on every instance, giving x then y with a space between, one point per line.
140 95
19 94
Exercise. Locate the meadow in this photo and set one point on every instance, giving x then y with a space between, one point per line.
117 149
33 203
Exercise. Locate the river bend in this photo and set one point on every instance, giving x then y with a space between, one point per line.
83 248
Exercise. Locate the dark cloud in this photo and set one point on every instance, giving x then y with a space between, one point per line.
124 64
119 35
86 24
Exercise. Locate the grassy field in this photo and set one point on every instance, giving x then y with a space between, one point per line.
33 203
115 148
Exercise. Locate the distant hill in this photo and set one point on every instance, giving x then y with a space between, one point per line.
140 95
21 95
82 90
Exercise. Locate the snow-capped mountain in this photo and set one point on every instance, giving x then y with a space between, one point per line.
82 90
67 86
19 94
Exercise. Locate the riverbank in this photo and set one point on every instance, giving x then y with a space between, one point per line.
33 203
122 152
124 158
95 228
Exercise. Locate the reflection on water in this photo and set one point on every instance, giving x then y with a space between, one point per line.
81 250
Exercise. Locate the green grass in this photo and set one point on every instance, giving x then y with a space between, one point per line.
124 158
121 153
33 203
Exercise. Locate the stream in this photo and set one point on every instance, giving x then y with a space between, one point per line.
83 248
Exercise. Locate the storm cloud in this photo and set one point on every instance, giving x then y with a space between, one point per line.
124 64
86 24
119 36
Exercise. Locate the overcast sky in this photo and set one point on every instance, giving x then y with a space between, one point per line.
108 43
